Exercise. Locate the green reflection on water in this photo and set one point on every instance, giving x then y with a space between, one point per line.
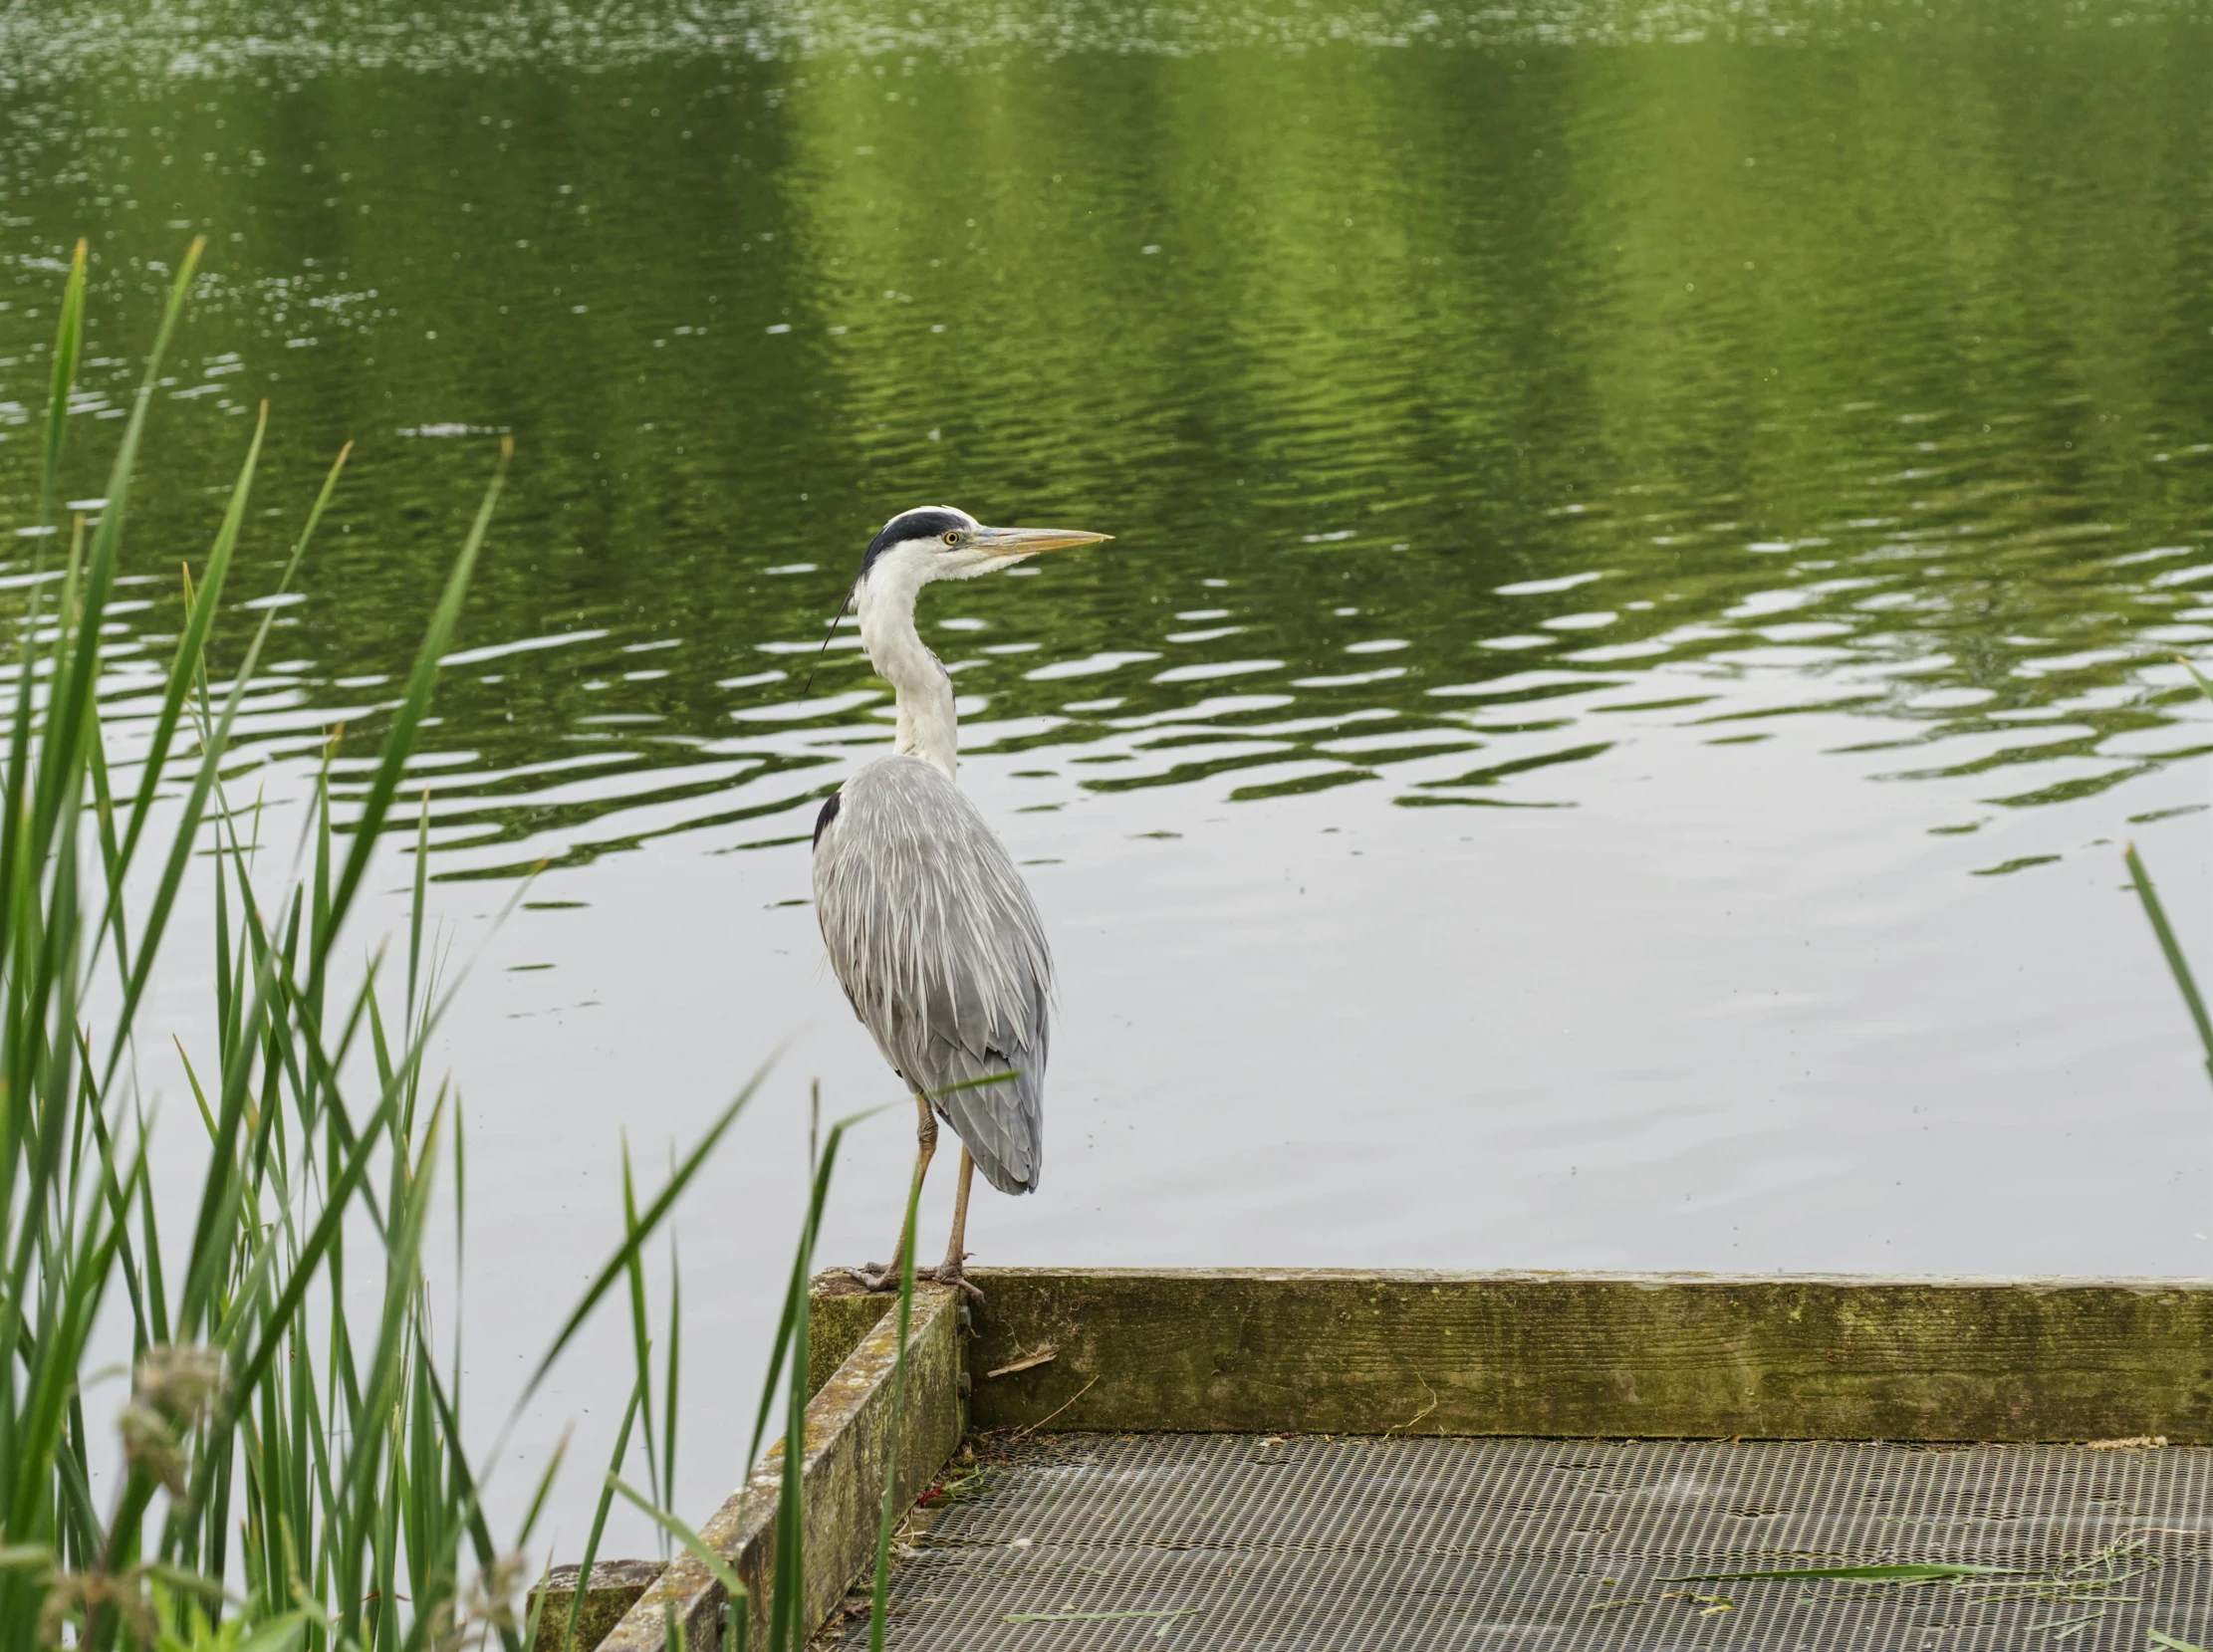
1444 398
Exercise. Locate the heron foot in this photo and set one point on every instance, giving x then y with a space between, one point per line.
878 1279
951 1274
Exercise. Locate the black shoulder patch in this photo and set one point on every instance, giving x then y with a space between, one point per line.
926 523
828 814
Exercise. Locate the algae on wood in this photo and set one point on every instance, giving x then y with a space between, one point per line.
841 1312
616 1586
1624 1356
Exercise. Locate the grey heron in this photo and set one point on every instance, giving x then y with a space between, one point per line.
928 925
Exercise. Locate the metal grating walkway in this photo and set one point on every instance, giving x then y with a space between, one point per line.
1266 1544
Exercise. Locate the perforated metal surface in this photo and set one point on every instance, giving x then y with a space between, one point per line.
1261 1544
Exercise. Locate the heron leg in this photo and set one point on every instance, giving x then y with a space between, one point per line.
956 1252
925 1146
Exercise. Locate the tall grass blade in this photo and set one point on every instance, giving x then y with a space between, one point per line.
76 658
545 1490
790 1325
788 1626
642 1341
618 1265
675 1364
68 346
696 1545
200 617
200 620
407 721
2177 965
599 1517
880 1601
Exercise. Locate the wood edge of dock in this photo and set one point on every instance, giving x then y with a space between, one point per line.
1524 1352
1630 1355
852 1443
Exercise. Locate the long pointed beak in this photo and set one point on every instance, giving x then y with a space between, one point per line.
1010 543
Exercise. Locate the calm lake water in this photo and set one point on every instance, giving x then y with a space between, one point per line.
1653 545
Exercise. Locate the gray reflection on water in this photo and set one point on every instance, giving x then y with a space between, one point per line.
1645 595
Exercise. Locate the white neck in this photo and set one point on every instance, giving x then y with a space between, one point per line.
927 726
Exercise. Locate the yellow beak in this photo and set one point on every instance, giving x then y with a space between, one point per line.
1028 542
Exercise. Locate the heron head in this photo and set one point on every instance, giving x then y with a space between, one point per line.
937 541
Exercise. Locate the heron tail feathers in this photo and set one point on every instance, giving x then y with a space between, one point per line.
1002 1124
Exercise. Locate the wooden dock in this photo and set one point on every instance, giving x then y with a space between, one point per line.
1244 1458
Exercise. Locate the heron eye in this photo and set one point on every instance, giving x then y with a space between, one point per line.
953 536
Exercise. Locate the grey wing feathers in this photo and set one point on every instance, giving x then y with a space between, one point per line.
936 941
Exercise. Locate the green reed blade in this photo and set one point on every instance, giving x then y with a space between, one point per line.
642 1341
537 1597
200 620
2177 965
407 721
192 653
423 902
156 1300
39 1057
599 1518
75 661
251 1009
791 1323
402 1271
460 1228
879 1603
113 928
120 1206
79 1518
465 1487
694 1545
397 1076
788 1628
544 1490
18 909
395 1073
56 1358
675 1356
320 881
616 1265
68 346
220 1193
416 1455
320 1240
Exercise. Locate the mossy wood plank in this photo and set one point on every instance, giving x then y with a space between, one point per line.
841 1314
1626 1355
849 1449
616 1586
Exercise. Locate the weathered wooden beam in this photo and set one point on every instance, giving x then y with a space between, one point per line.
841 1314
1624 1355
849 1449
616 1586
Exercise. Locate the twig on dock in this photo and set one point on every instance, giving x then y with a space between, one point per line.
1032 1428
1043 1356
